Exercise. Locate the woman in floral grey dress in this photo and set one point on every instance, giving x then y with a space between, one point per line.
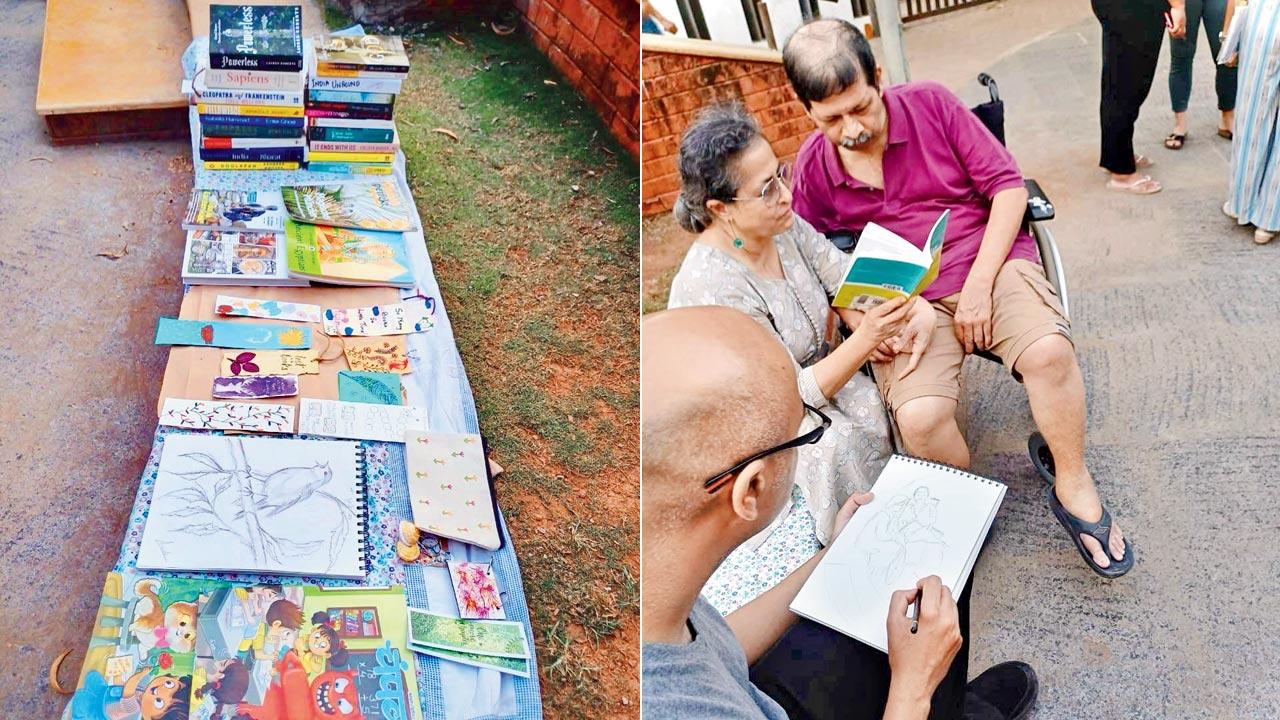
753 254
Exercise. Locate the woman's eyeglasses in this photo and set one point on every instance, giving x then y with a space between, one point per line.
719 480
771 193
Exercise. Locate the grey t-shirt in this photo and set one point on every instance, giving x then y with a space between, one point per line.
702 680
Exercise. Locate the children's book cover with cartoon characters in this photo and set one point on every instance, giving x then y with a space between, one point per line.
304 653
141 655
345 256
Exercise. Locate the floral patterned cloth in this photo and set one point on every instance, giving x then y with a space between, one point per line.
855 448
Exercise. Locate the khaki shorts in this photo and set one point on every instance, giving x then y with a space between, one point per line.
1025 308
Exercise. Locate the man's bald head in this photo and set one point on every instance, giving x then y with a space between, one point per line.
715 387
825 57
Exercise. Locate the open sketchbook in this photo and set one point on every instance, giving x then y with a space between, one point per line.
926 519
247 504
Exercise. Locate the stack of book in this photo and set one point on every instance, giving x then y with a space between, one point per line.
250 97
351 97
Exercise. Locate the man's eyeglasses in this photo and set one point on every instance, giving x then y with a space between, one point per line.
771 193
719 480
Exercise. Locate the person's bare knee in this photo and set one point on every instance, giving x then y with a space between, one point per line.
1052 357
925 421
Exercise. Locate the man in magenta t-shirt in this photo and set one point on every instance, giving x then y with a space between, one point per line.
899 156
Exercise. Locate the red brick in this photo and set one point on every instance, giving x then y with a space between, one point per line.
659 147
611 41
777 97
787 147
626 134
660 185
544 18
582 15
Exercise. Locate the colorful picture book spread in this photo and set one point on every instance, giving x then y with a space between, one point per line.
294 365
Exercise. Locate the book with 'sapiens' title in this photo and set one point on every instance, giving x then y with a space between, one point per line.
885 265
255 37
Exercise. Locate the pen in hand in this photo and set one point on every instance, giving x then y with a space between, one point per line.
915 615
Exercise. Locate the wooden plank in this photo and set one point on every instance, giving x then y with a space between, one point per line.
112 55
137 124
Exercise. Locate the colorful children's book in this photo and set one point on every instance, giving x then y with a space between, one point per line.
346 256
141 655
251 504
885 265
449 487
381 53
245 211
367 205
235 258
301 651
255 37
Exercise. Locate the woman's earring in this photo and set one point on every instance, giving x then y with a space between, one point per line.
737 242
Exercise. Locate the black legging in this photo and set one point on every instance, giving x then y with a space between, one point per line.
816 673
1132 31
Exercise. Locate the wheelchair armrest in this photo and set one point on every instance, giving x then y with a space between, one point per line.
1039 208
844 240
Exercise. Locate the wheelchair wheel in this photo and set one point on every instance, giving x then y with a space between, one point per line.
1041 458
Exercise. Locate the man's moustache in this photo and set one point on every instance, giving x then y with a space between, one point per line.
852 143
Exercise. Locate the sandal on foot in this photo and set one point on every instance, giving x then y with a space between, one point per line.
1100 531
1144 185
1262 237
1225 133
1175 141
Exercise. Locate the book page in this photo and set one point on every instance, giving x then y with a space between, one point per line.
925 520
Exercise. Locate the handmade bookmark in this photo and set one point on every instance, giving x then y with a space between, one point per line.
377 354
215 415
378 388
213 333
476 590
270 362
411 316
252 387
269 309
359 421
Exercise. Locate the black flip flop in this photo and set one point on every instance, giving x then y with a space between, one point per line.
1179 138
1100 531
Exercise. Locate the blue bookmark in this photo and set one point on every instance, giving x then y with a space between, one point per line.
213 333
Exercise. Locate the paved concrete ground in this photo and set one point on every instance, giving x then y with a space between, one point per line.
1174 312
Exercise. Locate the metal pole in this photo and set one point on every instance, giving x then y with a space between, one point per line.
889 22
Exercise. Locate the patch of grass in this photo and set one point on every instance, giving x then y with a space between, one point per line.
532 221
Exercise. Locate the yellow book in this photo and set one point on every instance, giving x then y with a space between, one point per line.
249 165
350 157
255 110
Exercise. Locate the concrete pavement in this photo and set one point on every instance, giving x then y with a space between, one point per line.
1175 314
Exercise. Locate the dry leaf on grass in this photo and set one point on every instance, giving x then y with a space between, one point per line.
550 82
445 131
457 40
53 674
502 29
115 254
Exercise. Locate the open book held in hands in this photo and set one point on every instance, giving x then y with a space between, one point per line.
885 266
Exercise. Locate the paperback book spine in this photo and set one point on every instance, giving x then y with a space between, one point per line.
351 157
350 168
372 108
327 67
338 96
376 85
348 114
254 154
228 143
295 123
353 147
239 165
327 71
254 110
272 63
351 135
212 130
249 97
245 80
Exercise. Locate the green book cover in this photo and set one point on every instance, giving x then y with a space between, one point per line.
255 37
885 266
367 205
346 256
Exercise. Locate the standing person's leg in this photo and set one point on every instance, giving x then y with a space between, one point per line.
1133 51
1182 54
816 673
1224 77
1117 145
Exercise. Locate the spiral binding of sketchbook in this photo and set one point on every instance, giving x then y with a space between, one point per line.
262 505
927 518
362 507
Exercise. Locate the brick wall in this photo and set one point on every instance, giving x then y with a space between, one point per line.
595 44
682 76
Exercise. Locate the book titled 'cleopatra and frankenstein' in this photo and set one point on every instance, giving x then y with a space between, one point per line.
250 94
351 97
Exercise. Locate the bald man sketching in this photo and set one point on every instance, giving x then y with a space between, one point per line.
721 414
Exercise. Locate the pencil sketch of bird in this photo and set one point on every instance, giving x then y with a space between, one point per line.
289 486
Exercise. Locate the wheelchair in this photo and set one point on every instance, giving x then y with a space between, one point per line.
1039 211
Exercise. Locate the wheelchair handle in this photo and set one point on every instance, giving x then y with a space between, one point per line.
990 83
